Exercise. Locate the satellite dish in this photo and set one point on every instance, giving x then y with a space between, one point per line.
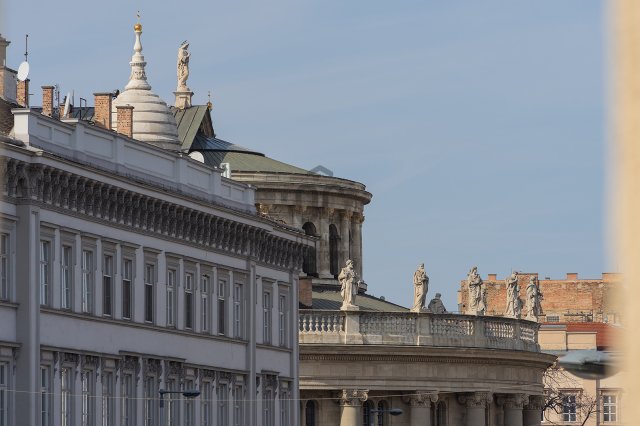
197 156
23 71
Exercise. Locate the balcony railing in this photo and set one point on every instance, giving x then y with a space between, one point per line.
419 329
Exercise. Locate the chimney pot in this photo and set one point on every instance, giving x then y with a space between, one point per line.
125 120
47 100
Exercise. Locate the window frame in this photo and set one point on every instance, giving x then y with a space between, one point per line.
150 284
267 320
205 310
615 404
108 295
45 268
88 278
221 293
189 297
128 276
238 310
67 273
171 300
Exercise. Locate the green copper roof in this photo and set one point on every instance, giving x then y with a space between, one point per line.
188 121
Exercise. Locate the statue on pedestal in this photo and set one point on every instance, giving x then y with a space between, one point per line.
183 66
420 288
534 296
477 295
436 306
348 287
514 304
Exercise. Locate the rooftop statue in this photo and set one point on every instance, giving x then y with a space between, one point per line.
534 296
420 288
348 287
436 306
183 65
477 293
514 304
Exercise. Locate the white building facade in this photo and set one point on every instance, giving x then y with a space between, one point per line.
127 269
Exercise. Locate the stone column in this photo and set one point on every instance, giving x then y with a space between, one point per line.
420 403
356 247
350 402
512 406
476 404
323 244
345 230
531 411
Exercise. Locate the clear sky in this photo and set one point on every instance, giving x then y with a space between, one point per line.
479 126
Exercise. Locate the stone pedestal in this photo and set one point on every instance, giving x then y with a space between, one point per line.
476 404
350 406
420 404
183 98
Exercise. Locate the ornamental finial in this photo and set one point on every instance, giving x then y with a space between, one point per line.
138 26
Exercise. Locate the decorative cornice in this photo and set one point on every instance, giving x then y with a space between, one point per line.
353 397
81 196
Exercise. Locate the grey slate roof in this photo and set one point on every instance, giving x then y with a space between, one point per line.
188 121
331 300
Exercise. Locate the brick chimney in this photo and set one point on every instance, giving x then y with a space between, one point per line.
125 120
305 296
22 97
572 276
102 110
492 277
47 100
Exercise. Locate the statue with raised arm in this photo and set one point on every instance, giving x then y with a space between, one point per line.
436 306
477 293
534 296
183 65
514 305
348 286
420 288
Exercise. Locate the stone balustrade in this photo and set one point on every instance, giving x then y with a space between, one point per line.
419 329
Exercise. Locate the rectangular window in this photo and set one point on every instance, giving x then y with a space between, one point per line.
107 285
108 395
149 280
222 293
609 408
189 405
150 396
171 297
204 304
66 278
283 317
4 397
266 317
127 279
4 266
285 406
128 400
87 281
45 397
569 408
206 400
237 311
553 318
171 402
223 404
88 397
45 271
66 396
238 406
188 301
267 407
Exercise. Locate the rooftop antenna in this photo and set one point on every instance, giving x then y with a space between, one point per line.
23 69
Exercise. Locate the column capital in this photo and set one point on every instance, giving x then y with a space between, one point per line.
512 401
421 399
353 397
475 399
536 402
357 217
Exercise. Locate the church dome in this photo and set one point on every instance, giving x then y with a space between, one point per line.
153 122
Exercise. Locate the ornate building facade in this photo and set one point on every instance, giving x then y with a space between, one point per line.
127 268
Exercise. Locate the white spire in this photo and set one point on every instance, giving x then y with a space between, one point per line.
138 77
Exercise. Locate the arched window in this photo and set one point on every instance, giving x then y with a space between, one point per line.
334 238
367 406
381 415
441 414
309 261
310 413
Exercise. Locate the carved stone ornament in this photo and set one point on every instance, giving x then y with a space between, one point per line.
69 358
475 399
152 367
513 401
130 363
421 399
536 402
269 381
353 397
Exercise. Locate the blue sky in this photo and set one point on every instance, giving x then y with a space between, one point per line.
479 127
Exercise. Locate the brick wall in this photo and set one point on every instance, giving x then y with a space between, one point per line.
102 110
571 299
125 120
22 97
47 100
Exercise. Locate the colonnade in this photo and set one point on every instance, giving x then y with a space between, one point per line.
516 409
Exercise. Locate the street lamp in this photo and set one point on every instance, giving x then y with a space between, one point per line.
391 411
191 393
